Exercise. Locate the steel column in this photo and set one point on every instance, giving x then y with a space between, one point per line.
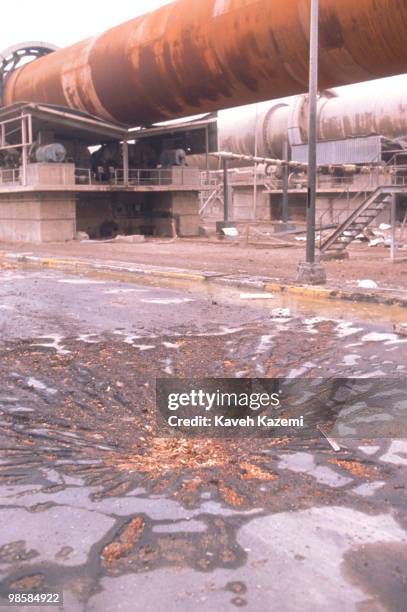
226 194
312 144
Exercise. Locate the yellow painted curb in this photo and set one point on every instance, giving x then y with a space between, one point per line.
306 291
181 275
54 263
310 292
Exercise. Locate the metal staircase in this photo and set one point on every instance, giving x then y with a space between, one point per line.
370 208
210 196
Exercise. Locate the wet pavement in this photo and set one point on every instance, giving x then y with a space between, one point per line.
92 503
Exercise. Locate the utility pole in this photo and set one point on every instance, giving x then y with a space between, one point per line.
285 210
311 272
226 192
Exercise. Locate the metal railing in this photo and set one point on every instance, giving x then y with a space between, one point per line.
179 175
216 194
83 176
10 176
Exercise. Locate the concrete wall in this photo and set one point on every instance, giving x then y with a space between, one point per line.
50 174
243 204
183 206
28 217
330 209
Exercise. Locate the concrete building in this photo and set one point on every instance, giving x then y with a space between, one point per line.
51 186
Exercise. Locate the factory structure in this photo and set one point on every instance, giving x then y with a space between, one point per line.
362 145
94 138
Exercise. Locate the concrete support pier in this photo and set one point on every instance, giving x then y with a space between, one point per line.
37 217
52 207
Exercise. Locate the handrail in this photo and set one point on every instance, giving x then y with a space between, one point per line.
382 189
214 194
13 173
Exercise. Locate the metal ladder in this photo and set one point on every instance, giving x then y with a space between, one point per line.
215 194
370 208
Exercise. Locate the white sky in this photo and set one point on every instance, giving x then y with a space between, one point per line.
64 22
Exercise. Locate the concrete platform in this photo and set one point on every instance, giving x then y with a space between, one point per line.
52 208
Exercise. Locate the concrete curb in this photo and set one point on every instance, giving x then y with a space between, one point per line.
315 293
337 294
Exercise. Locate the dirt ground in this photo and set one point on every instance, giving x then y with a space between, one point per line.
230 258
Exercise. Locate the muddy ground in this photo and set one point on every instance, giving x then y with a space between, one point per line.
95 504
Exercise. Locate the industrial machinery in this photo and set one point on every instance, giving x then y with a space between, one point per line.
190 57
54 153
94 106
265 129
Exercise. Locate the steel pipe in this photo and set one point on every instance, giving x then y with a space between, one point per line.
188 57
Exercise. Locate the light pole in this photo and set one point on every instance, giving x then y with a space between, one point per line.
310 271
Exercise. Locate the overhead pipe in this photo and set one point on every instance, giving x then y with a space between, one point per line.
190 57
352 114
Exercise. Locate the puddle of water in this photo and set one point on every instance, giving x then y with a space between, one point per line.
345 329
170 345
379 337
224 331
305 463
52 341
323 310
167 301
369 450
80 281
117 291
397 453
40 386
88 338
266 342
192 526
144 347
298 372
18 409
257 296
368 489
168 369
350 360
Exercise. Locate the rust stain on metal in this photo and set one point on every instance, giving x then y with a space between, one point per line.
189 57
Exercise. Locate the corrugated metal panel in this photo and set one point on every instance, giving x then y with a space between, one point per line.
349 151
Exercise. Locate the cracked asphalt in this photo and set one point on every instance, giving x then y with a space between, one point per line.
94 504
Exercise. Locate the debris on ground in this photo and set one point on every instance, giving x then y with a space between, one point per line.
257 296
132 239
401 329
81 236
124 542
376 242
333 443
367 284
280 313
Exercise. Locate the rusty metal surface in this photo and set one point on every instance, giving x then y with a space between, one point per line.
365 114
350 115
192 56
